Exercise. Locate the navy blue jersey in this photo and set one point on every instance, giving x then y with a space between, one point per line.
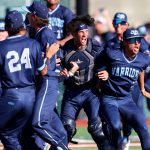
58 18
46 36
113 43
122 72
19 59
145 47
84 58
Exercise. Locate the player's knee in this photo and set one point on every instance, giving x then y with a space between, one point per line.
116 127
95 129
70 127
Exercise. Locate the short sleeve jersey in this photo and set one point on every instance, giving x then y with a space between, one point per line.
46 36
122 72
58 18
20 57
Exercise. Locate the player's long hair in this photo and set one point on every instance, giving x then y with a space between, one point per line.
73 25
40 22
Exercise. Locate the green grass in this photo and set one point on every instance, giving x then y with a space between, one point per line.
82 133
96 148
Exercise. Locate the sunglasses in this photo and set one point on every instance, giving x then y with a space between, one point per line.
134 40
117 22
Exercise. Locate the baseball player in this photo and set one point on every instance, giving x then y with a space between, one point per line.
125 65
20 58
80 91
46 121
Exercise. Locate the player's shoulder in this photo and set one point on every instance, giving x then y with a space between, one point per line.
46 32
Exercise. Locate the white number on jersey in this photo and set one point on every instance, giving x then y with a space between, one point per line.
14 58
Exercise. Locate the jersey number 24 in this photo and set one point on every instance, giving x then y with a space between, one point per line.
14 64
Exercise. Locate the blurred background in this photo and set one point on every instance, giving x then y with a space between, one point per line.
138 13
137 10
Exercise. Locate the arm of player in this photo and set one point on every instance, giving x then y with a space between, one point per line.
63 41
103 75
51 50
71 72
141 85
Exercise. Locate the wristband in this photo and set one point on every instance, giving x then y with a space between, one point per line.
46 61
143 90
71 73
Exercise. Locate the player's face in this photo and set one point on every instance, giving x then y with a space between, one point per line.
132 46
53 2
99 28
31 19
81 37
121 27
3 35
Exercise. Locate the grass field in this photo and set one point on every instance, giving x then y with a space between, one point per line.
96 149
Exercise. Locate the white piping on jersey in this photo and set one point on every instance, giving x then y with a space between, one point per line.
13 37
40 30
51 12
128 61
39 118
41 68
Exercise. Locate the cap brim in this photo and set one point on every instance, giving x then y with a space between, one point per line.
134 37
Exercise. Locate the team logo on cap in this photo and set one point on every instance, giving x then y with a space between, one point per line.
121 16
134 32
79 61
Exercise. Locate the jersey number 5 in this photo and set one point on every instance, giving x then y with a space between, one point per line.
14 58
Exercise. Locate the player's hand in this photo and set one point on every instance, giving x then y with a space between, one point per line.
75 67
51 50
61 42
64 72
145 93
103 75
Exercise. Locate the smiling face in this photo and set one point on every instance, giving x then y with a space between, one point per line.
80 37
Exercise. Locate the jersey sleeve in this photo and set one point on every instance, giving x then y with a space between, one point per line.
144 48
146 61
48 37
38 57
68 15
101 61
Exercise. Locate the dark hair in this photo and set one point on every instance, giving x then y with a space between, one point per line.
41 22
13 31
73 25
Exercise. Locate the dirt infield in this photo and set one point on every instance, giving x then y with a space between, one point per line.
133 144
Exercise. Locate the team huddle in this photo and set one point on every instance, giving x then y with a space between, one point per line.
52 48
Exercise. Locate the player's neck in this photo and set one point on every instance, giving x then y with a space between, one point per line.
128 55
79 45
120 38
52 7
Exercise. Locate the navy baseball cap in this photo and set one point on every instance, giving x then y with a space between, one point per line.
131 33
2 25
120 17
39 9
14 19
143 30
